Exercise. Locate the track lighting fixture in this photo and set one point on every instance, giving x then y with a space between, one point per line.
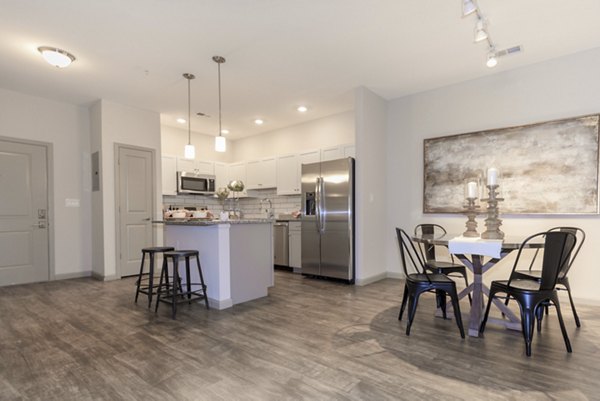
480 32
468 7
492 61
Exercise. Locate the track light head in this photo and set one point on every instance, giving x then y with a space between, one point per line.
480 32
468 7
492 61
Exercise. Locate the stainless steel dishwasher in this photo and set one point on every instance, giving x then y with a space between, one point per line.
281 253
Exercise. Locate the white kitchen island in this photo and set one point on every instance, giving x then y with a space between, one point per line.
236 257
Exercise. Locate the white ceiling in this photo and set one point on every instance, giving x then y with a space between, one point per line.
280 53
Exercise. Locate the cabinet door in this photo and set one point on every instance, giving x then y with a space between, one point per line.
169 175
295 247
184 164
268 169
349 150
253 174
288 175
203 167
237 171
331 153
311 156
221 179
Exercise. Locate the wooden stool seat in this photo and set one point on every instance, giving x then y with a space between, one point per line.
174 294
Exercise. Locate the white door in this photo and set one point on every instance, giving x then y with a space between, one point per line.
136 194
23 213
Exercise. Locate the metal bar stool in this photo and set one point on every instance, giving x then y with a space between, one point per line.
149 288
174 294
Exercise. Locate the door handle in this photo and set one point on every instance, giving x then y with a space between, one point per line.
147 219
40 224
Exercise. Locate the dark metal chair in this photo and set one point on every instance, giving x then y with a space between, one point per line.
532 295
562 280
428 254
419 281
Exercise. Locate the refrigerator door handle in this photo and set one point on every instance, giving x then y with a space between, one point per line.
322 206
318 203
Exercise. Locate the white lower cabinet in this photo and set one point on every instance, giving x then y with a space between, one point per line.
295 246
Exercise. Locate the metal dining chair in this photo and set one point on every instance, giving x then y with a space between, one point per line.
563 280
428 254
531 294
418 281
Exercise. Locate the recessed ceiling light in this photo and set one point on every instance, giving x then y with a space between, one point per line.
56 57
224 131
302 109
258 121
181 120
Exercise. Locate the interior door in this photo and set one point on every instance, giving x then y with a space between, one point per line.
136 194
336 238
23 213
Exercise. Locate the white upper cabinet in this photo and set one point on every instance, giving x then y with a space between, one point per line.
237 171
221 175
288 175
348 150
261 173
310 156
331 153
169 175
195 166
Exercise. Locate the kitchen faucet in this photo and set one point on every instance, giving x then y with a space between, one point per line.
269 210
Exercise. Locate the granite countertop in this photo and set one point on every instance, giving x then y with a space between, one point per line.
204 222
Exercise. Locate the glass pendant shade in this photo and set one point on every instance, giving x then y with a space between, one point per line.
189 151
220 144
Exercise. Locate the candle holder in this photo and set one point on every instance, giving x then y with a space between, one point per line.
493 221
471 210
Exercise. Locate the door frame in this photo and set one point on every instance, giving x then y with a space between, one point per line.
117 147
49 194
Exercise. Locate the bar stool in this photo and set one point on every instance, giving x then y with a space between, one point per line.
171 292
149 289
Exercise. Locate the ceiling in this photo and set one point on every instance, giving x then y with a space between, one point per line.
280 53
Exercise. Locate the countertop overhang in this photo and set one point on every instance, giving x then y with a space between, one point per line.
201 222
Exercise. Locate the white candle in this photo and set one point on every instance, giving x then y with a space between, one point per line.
492 176
472 189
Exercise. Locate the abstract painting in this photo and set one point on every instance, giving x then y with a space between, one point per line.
546 168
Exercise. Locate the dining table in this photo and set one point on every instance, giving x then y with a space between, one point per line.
479 256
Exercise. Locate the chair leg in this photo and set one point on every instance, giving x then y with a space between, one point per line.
487 311
403 304
163 271
539 315
202 282
174 287
527 323
457 315
189 279
150 279
139 280
441 301
562 324
568 287
412 309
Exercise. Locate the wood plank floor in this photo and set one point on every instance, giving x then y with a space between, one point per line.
309 340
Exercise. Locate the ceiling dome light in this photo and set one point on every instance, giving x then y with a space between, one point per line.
468 7
492 61
181 120
258 121
302 109
56 57
480 32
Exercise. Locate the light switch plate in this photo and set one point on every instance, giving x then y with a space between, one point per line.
71 202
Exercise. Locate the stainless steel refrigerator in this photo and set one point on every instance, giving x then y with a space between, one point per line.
328 219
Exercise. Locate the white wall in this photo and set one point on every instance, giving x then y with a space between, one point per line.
560 88
66 127
370 196
130 126
333 130
173 141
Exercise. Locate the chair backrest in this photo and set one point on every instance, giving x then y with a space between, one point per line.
558 246
412 261
580 234
428 230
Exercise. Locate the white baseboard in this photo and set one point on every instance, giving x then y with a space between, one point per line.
100 277
67 276
370 280
222 304
582 301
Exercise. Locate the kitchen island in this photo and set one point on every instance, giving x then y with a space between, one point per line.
236 256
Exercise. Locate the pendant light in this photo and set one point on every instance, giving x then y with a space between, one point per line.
189 151
220 141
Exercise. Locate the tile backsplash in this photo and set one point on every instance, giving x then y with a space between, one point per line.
251 207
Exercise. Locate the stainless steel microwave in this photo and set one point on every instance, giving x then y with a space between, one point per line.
193 183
